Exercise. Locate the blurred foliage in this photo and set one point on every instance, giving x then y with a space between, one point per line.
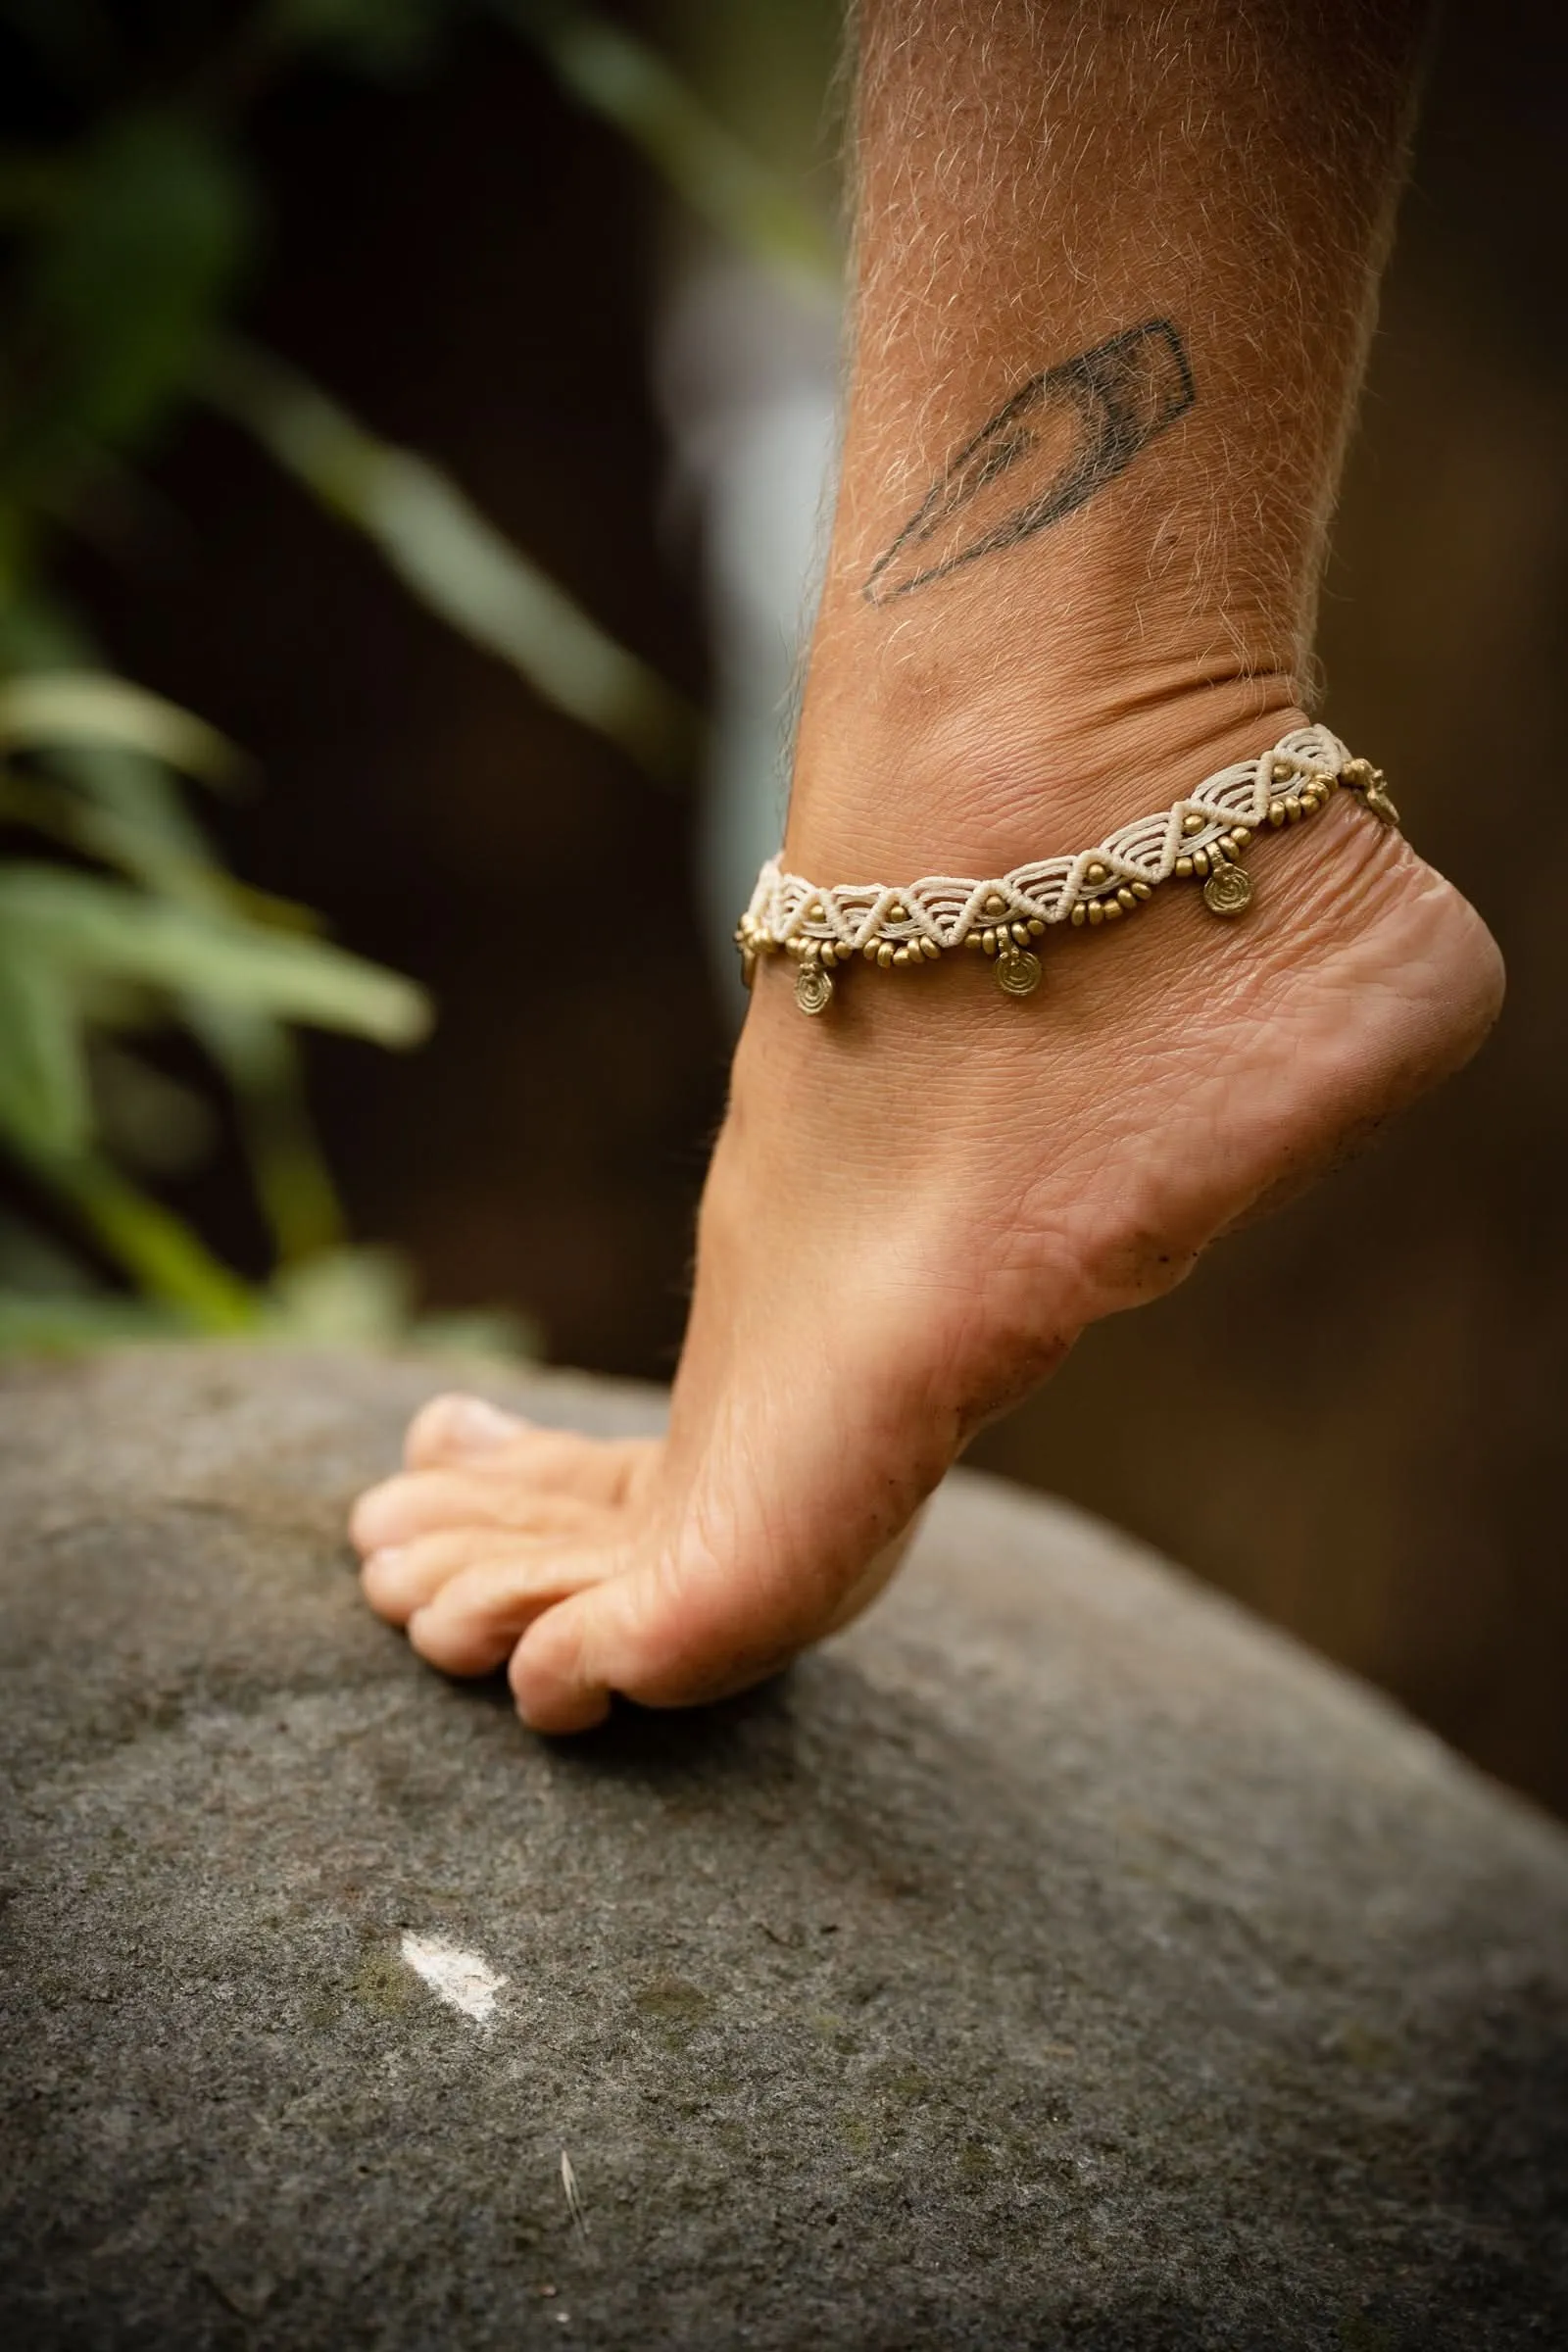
132 222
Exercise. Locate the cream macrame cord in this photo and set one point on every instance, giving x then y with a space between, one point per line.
1199 837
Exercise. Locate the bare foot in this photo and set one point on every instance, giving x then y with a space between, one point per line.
914 1208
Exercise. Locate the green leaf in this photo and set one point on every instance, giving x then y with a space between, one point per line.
90 926
133 814
293 1182
123 808
160 1254
454 559
135 264
364 1298
91 707
358 1296
34 1261
43 1087
145 1119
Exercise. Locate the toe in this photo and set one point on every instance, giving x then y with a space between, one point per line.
427 1502
400 1578
471 1624
420 1503
466 1433
560 1462
676 1634
458 1428
640 1635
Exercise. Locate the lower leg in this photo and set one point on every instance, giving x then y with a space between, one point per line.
1115 284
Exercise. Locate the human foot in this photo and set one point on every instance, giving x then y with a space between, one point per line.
913 1209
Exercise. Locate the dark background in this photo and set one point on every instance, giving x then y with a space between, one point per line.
1349 1418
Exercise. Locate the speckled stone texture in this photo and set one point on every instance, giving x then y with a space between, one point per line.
1057 1959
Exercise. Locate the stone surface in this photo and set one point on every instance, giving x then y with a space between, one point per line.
1057 1959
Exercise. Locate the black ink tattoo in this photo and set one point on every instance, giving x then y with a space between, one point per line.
1070 431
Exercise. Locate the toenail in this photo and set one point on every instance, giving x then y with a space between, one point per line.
475 1427
384 1562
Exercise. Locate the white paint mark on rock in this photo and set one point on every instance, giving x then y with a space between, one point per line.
460 1979
568 2181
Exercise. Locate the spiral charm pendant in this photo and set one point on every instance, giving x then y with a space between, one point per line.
1228 890
813 987
1019 974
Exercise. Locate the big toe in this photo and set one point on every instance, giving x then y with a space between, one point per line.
455 1427
655 1635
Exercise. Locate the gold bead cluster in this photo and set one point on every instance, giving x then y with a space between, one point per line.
1010 941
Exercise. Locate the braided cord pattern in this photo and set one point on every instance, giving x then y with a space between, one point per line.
945 908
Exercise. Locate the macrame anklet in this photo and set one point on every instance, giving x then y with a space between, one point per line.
1200 837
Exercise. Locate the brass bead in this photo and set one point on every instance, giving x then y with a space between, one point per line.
930 950
1276 814
1078 917
1036 929
1096 912
1112 910
884 955
1280 770
1094 871
996 903
870 951
1292 808
1192 822
988 940
1200 861
972 940
1184 866
1238 839
1020 933
1126 898
1143 890
814 913
898 912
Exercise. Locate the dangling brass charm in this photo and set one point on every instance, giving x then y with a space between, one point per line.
813 987
1369 781
1017 971
1228 890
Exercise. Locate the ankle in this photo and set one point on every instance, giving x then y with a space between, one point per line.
946 777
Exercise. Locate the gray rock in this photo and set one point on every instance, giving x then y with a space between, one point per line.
1057 1959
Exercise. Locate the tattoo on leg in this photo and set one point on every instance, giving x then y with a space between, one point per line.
1068 431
